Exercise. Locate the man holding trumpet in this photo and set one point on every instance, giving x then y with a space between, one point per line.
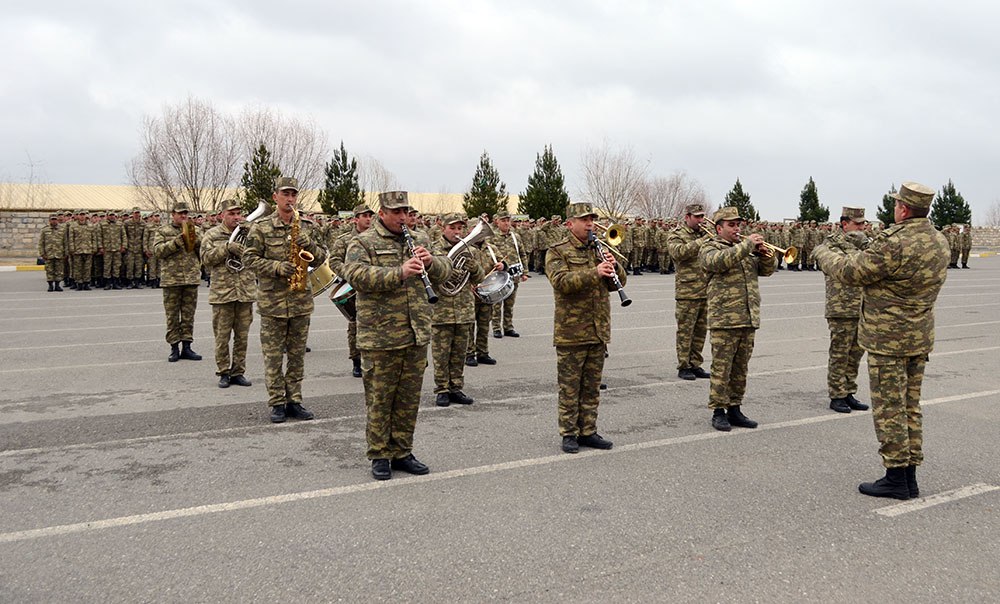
733 263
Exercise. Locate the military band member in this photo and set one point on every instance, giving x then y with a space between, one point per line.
901 273
511 251
284 313
338 252
843 308
478 352
181 269
394 329
581 284
690 291
231 294
733 264
51 250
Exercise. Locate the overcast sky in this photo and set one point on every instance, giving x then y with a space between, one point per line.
858 95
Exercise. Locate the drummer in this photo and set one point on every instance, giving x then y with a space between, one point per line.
338 250
454 313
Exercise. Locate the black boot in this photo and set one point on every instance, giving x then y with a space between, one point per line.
892 485
840 405
175 353
187 353
356 372
965 265
138 283
52 288
107 284
736 418
720 422
117 283
911 482
57 288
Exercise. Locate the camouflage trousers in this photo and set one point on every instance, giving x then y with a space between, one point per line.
82 267
954 255
479 332
231 320
281 338
352 340
503 312
449 346
965 255
152 267
179 304
895 389
731 350
112 264
133 265
804 255
845 357
692 327
579 370
539 260
53 269
392 380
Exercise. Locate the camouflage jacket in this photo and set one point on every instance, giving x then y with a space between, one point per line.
583 308
506 251
901 273
843 301
392 313
338 250
952 238
268 245
81 238
683 244
177 265
966 238
134 236
51 243
733 291
227 285
456 303
113 237
640 235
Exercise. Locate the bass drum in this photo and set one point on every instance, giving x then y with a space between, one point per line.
344 297
321 278
495 288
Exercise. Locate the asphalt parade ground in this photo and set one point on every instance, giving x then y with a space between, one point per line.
124 478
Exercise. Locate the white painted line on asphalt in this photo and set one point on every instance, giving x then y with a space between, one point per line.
914 505
201 510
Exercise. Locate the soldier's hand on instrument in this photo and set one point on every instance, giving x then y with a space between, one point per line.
235 248
179 240
421 253
498 266
304 242
609 257
412 266
286 269
757 239
605 269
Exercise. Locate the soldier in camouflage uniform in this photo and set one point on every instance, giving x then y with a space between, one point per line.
733 264
453 314
284 313
114 242
338 252
954 239
843 309
966 244
901 273
479 331
581 285
690 292
51 250
134 235
510 250
152 262
231 295
181 269
81 247
394 328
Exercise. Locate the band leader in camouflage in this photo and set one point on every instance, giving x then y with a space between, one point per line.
180 271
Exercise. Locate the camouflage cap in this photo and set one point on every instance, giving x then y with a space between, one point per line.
286 182
229 204
362 209
694 209
914 194
53 216
501 214
454 218
391 200
135 209
726 213
557 216
579 210
854 214
181 206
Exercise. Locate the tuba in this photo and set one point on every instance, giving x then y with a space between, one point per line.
459 276
242 230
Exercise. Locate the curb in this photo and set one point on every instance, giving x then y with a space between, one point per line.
23 267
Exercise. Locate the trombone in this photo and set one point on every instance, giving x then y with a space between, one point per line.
789 254
613 235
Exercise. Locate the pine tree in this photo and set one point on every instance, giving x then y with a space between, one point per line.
950 207
259 175
887 213
741 201
488 194
546 192
341 189
809 208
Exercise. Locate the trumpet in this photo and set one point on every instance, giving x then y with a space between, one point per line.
789 254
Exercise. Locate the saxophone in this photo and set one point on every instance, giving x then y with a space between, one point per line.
299 257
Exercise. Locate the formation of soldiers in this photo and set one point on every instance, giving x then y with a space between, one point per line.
959 238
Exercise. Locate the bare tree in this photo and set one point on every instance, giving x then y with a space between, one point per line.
375 178
666 197
298 146
189 153
613 179
993 214
27 193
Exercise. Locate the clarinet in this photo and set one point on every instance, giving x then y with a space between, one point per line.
599 250
431 296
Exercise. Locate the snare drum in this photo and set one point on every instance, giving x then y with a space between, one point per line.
495 288
344 297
